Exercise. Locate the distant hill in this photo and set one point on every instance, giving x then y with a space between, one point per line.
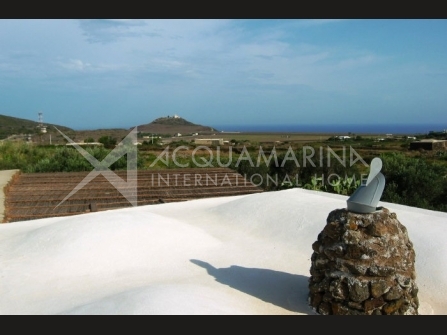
14 128
172 125
10 126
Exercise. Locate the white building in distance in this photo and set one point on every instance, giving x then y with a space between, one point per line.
209 141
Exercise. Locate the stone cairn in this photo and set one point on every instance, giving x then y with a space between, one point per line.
363 264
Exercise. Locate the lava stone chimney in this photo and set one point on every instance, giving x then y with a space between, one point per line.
363 264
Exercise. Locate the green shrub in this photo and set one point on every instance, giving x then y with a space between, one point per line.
414 181
109 142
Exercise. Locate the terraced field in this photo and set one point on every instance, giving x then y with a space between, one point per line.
41 195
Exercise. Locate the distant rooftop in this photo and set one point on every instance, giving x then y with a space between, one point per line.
432 140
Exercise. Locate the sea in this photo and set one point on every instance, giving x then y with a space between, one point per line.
357 129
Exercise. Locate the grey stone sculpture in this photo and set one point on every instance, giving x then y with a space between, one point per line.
366 198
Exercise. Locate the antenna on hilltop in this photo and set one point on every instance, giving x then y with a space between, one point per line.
43 129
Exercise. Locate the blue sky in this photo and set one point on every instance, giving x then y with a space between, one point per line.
89 74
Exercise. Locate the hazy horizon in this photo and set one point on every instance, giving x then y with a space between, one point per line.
402 128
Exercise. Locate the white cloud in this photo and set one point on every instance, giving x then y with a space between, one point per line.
76 64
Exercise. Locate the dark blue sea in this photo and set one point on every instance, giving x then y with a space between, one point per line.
402 129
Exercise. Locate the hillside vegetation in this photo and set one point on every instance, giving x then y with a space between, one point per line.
10 126
413 177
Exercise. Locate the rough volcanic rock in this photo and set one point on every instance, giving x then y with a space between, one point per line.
363 264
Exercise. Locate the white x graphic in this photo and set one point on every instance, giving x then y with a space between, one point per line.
127 188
